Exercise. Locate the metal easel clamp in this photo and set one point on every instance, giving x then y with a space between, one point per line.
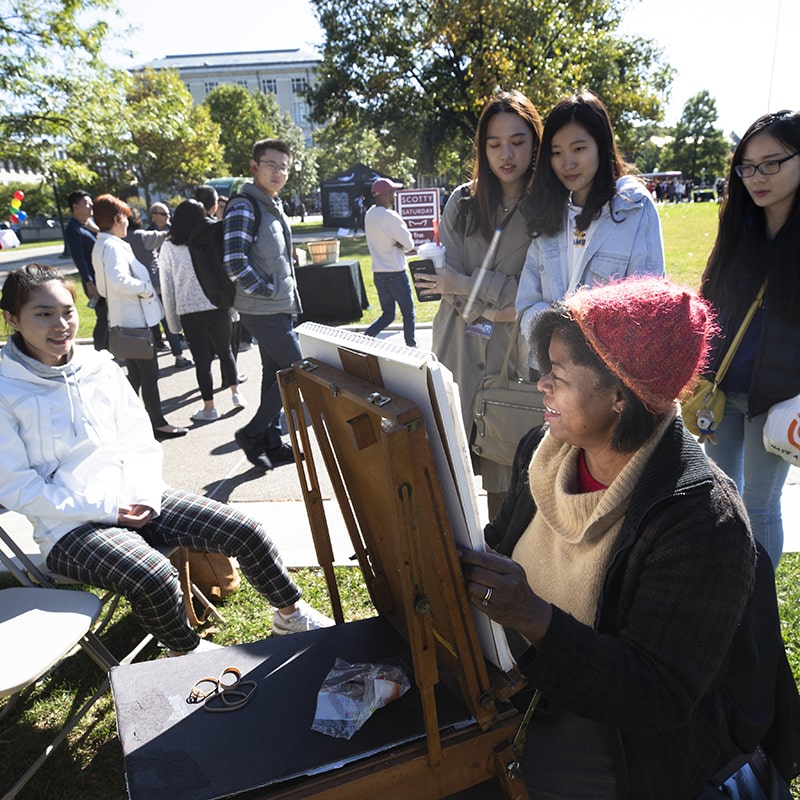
379 399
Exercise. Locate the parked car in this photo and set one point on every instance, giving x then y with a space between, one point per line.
228 186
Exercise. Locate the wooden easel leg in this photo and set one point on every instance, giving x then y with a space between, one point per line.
309 483
508 773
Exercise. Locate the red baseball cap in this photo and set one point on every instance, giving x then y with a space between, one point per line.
381 185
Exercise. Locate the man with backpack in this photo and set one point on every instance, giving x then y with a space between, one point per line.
258 260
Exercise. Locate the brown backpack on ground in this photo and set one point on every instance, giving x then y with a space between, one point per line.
211 574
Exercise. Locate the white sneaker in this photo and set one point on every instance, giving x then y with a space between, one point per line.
305 618
205 415
203 646
238 400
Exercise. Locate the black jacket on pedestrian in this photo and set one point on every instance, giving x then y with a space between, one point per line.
776 373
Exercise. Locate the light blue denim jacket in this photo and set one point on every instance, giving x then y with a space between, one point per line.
631 246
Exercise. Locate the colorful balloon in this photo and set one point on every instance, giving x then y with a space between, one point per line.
16 203
18 195
14 218
22 216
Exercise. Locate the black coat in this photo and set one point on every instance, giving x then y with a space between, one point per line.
666 662
776 373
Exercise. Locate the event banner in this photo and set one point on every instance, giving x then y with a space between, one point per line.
419 208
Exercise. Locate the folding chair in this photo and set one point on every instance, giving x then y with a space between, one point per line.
41 624
38 629
32 571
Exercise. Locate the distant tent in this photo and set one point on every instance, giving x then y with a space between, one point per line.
339 192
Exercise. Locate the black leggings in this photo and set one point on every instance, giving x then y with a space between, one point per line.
143 375
209 332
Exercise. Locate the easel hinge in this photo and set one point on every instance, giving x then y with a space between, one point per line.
308 366
486 699
415 425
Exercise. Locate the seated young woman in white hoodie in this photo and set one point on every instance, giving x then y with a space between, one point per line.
81 463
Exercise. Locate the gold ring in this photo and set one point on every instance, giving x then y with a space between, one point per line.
488 596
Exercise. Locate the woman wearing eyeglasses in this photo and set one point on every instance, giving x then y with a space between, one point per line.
758 239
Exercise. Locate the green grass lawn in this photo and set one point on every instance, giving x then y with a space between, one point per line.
90 766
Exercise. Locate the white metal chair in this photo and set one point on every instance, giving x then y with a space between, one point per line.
38 629
40 624
37 573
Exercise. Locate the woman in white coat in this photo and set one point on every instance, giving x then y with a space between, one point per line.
132 301
80 463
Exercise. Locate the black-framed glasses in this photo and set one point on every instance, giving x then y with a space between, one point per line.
771 167
274 166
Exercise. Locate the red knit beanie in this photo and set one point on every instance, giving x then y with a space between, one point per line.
653 335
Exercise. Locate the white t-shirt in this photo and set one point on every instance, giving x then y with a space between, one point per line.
385 229
577 245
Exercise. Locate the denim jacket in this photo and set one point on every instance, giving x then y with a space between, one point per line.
630 245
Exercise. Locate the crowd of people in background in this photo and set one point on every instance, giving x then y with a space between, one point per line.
585 220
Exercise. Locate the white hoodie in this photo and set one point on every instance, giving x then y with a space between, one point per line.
76 443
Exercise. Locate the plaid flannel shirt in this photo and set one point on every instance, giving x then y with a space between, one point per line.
240 233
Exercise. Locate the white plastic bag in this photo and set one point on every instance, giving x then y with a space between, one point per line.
782 430
351 693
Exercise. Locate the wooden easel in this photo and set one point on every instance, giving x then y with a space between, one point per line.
376 452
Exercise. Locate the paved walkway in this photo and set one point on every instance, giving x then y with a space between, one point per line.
208 461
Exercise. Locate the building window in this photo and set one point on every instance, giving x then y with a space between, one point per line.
299 85
209 85
269 85
242 83
300 112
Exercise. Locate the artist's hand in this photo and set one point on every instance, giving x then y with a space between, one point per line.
91 290
445 281
135 516
511 601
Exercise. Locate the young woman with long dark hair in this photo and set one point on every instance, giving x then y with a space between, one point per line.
758 239
475 320
590 220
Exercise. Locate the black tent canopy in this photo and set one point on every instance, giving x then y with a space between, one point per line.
339 192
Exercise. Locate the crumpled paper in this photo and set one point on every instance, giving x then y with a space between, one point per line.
352 693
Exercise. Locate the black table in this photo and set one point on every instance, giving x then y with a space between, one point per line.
177 751
332 292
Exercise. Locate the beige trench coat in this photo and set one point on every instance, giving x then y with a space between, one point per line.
471 357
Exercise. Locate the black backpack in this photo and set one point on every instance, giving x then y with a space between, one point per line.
207 251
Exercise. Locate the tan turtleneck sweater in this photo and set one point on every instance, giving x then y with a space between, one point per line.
566 548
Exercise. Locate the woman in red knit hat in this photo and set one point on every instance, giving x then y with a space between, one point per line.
621 555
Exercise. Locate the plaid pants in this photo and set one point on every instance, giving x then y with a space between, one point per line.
126 562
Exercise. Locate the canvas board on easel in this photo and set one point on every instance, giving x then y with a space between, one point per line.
419 377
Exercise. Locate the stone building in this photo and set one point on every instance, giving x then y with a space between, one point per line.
284 73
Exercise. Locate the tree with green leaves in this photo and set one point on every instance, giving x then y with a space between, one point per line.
49 62
304 177
346 144
699 149
421 72
243 118
173 144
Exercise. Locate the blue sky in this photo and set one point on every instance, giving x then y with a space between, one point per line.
739 50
